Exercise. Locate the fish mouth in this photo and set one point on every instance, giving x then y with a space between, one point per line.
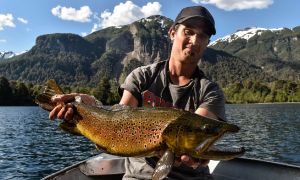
231 128
215 152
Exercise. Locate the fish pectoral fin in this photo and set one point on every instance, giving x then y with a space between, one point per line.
100 149
163 166
70 128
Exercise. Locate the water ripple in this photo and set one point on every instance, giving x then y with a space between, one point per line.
268 131
31 146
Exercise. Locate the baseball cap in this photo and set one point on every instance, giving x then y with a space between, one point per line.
197 12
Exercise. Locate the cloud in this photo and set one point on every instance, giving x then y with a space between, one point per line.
71 14
6 21
126 13
230 5
24 21
2 40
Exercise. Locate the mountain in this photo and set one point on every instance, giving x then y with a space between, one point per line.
276 51
75 60
115 51
6 55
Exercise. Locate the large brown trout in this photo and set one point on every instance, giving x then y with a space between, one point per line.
125 131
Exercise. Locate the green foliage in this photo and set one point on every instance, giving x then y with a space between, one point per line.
226 69
16 93
107 65
106 33
114 96
102 90
107 91
248 91
133 63
256 92
5 92
21 94
297 30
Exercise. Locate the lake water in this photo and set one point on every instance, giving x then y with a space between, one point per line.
32 146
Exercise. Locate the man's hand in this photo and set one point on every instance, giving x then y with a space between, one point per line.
64 110
192 162
187 160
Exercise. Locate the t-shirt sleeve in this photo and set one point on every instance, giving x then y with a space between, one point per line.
213 100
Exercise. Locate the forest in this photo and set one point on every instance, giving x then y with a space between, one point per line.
17 93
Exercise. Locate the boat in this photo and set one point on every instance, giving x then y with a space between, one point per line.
109 167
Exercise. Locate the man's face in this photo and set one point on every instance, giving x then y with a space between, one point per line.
189 41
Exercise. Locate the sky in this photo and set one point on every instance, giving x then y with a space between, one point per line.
22 21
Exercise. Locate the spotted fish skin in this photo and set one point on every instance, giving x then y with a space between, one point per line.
126 131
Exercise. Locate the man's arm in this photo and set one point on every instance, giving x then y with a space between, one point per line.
204 112
128 99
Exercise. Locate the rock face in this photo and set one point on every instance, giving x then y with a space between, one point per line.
61 43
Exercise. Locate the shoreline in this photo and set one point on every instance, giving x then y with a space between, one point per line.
265 103
225 104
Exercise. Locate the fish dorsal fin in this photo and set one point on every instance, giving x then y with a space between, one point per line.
164 165
44 99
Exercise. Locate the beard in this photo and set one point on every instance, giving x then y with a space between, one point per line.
191 56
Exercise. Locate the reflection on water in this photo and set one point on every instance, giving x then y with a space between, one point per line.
268 131
31 146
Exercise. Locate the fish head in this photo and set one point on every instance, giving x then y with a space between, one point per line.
195 135
207 131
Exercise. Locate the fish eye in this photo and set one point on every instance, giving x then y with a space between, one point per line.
207 128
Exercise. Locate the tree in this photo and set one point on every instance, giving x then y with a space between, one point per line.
5 92
114 96
22 95
102 90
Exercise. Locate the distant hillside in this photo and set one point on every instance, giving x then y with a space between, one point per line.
275 51
114 52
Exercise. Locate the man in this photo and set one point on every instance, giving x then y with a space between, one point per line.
177 82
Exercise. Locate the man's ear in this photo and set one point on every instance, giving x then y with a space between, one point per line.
171 33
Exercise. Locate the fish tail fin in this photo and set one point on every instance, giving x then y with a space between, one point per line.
44 99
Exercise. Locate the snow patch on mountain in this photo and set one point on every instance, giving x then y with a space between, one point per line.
6 54
246 34
156 18
9 54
